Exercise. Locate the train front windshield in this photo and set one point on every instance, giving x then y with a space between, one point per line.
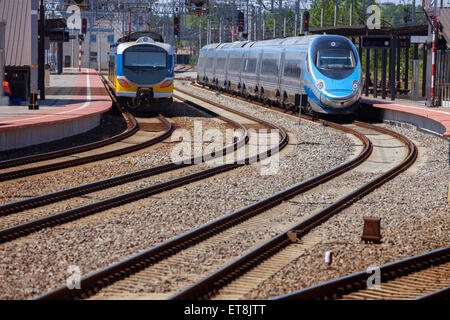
146 59
334 56
145 64
335 59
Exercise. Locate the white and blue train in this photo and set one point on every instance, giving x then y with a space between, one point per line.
325 68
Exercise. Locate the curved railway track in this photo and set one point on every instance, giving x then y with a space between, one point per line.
211 285
422 277
48 159
93 283
23 229
425 276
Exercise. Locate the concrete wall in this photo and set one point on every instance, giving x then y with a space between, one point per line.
32 135
422 123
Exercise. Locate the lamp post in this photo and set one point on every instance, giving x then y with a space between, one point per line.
41 56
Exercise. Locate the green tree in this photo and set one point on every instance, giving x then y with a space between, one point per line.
328 16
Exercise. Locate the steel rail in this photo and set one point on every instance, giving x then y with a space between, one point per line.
45 199
41 200
104 277
210 285
178 243
96 157
358 281
132 128
23 229
443 294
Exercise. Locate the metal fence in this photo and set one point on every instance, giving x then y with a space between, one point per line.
443 78
444 94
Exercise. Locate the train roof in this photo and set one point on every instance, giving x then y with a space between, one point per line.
136 35
120 47
264 43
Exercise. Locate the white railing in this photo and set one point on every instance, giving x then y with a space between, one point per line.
444 91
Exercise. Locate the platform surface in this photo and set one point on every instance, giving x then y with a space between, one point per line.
74 102
69 96
438 114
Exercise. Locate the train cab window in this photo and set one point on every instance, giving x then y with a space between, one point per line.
335 59
143 64
145 59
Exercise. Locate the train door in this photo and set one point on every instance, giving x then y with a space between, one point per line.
280 71
258 70
209 66
241 55
225 72
244 66
214 63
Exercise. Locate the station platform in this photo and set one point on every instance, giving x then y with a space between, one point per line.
435 120
74 103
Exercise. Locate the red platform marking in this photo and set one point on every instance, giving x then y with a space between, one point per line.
92 105
437 114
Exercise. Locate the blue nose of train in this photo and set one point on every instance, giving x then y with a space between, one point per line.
338 93
338 88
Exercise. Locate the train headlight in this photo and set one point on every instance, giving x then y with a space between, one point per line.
355 85
320 84
166 83
123 82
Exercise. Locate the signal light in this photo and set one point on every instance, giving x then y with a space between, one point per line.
83 25
240 21
306 21
176 25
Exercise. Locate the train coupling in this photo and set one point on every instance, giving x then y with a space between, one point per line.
144 96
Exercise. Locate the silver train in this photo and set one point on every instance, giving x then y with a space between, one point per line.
325 69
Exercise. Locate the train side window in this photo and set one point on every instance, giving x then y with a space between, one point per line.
220 63
292 69
307 64
234 64
269 66
250 65
209 62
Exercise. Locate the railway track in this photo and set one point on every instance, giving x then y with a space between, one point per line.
425 276
37 164
22 229
145 264
421 277
126 273
259 263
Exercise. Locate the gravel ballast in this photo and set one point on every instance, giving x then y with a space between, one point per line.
415 219
39 262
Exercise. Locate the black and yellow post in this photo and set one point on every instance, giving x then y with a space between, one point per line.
33 105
